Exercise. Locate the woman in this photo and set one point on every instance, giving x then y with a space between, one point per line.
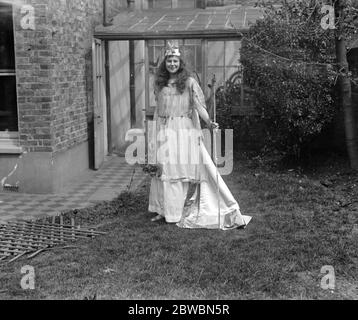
185 164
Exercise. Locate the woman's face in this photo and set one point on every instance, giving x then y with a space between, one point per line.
173 64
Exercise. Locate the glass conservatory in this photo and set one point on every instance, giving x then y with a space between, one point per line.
128 50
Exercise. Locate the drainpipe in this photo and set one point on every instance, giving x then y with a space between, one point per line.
131 5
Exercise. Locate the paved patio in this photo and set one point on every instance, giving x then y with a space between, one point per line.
104 185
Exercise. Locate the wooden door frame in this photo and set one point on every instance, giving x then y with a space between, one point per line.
99 105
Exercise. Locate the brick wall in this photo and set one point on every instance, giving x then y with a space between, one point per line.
54 72
35 90
72 36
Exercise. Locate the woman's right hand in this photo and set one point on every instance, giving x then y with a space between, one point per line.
213 125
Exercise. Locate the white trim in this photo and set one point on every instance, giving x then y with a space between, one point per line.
7 71
10 150
9 135
9 143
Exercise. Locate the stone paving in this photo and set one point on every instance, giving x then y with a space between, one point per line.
104 185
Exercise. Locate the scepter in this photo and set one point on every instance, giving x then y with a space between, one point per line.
215 150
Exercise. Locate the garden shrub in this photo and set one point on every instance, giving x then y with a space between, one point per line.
247 127
288 65
227 96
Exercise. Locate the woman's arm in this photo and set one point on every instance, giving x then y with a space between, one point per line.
200 106
156 91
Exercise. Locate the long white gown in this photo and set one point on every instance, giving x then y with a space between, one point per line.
186 165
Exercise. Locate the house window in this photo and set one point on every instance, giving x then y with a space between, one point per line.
8 99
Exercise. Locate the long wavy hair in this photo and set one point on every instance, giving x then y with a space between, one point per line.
163 75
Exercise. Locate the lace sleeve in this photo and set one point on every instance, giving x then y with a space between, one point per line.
156 92
198 100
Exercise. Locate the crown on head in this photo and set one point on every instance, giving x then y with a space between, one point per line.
172 49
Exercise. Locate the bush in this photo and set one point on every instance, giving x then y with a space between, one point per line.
227 96
284 65
247 128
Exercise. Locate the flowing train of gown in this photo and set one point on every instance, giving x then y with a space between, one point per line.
202 210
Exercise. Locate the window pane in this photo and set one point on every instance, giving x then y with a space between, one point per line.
219 75
178 42
199 59
186 3
232 73
159 42
193 42
8 104
158 56
151 55
7 59
189 57
152 101
191 50
155 52
232 53
216 53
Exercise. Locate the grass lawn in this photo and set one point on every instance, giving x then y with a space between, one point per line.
304 218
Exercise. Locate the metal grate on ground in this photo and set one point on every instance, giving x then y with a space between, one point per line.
25 238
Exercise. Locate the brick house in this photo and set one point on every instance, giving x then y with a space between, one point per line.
46 90
67 99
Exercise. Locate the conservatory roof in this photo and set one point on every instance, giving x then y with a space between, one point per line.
217 22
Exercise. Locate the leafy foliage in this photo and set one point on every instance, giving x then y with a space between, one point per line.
288 62
227 96
153 170
247 127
